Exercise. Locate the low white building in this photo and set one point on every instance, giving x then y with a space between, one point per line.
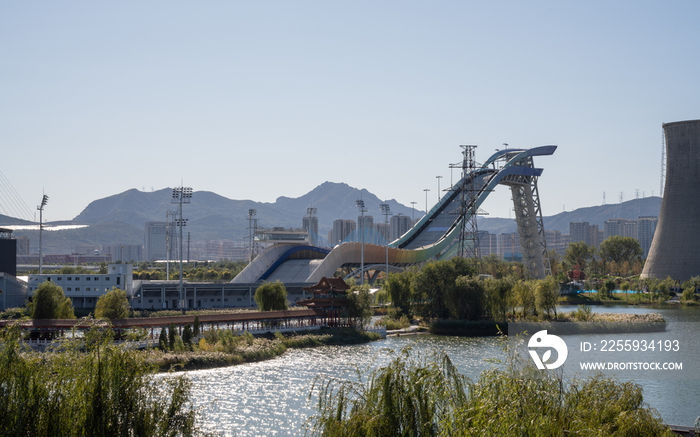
85 289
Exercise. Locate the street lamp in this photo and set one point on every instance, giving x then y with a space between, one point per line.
44 199
361 205
387 212
181 195
426 200
438 192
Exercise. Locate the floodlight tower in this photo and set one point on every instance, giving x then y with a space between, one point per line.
426 200
181 195
438 191
413 212
361 206
386 210
251 221
44 200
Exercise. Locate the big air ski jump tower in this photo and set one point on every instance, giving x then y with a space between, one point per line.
675 250
436 236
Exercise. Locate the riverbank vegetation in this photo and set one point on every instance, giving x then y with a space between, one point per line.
416 395
452 290
223 347
89 388
449 298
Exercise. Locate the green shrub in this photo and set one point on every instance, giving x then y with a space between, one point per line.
583 313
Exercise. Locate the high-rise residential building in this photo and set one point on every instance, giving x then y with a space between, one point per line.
310 224
366 222
555 241
620 227
400 224
341 229
488 244
509 247
646 227
583 231
155 245
383 230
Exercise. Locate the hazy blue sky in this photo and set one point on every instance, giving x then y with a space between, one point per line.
255 100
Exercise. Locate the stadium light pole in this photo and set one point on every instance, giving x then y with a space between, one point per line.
426 200
413 212
251 219
438 191
361 205
44 200
387 212
181 195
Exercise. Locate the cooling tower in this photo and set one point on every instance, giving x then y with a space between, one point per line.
675 250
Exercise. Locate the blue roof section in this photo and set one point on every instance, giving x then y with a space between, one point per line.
287 254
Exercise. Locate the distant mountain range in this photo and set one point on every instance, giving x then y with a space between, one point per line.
120 219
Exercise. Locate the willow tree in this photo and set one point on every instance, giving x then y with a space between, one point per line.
49 302
271 296
112 305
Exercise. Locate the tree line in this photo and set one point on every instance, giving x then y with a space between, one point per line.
453 290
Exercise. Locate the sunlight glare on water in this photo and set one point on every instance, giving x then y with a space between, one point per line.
271 397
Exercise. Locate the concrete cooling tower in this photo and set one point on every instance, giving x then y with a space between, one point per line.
675 250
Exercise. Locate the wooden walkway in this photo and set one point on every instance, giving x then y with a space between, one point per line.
246 321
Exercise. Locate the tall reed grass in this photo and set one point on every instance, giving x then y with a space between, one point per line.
104 390
424 395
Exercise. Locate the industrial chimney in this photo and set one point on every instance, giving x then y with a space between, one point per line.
675 250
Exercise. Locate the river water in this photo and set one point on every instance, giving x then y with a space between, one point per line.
271 397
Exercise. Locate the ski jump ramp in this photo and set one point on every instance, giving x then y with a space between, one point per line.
434 236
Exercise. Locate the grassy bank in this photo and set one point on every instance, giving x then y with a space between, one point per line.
224 348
